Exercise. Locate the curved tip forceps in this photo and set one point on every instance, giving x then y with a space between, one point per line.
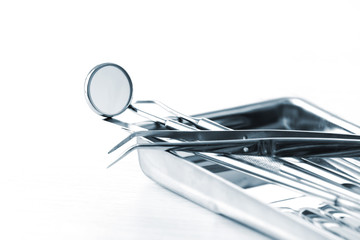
313 162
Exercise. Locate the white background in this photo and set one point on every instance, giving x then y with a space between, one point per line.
195 56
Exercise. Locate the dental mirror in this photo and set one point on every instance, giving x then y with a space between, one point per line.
108 89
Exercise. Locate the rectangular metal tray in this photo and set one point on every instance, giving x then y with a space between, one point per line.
234 194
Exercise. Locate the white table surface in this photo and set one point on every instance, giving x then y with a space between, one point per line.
195 57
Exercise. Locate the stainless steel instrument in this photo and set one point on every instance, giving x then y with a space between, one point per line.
293 157
269 143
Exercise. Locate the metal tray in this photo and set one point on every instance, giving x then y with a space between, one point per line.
237 195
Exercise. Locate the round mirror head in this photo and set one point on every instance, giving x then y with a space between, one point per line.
108 89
